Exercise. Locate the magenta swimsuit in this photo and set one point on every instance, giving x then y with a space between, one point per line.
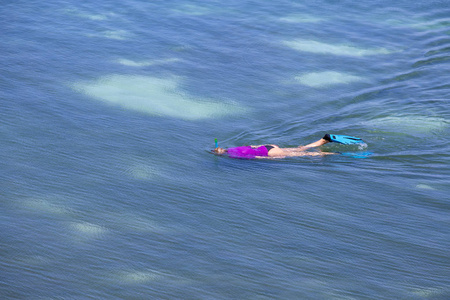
248 152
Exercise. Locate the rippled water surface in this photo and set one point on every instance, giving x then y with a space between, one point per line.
108 111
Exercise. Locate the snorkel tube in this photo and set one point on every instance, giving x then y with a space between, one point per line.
216 144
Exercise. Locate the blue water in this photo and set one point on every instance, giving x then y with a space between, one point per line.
108 110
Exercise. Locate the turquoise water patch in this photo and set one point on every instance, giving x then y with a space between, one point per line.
156 96
120 35
194 10
413 21
141 168
88 15
142 172
327 78
409 124
132 222
47 205
430 292
146 63
300 18
423 186
86 230
333 49
137 277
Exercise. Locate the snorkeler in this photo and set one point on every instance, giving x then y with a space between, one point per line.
274 151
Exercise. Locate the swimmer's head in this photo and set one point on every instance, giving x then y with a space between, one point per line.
220 151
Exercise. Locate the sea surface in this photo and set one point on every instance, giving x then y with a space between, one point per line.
108 111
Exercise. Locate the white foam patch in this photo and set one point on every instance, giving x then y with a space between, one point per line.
339 50
47 204
192 10
138 277
329 78
132 223
300 18
119 35
34 260
431 292
425 187
89 16
141 168
88 230
414 22
432 25
146 63
155 96
414 124
142 172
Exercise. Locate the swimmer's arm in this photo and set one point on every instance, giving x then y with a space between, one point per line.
306 147
313 145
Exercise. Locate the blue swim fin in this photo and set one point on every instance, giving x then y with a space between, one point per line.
342 139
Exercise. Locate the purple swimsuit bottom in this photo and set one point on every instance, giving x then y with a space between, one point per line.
247 152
